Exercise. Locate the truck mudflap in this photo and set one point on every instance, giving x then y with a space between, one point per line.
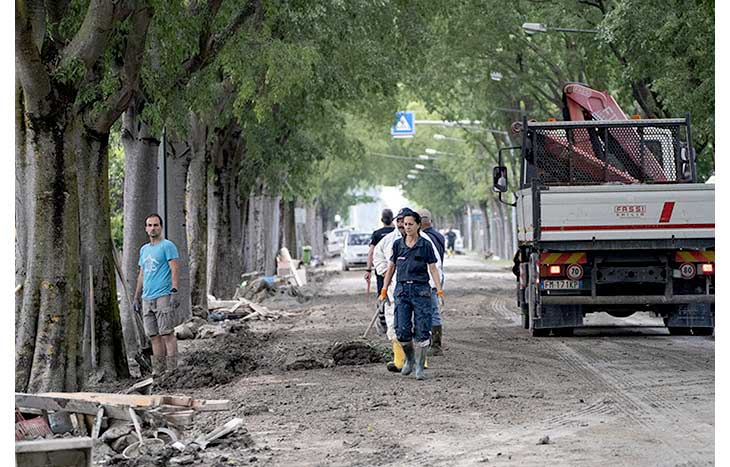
692 316
559 316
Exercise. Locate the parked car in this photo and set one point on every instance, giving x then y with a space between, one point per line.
355 250
458 243
335 239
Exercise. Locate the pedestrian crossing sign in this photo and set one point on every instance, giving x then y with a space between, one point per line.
404 125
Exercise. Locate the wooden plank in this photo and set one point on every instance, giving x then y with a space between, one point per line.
137 425
287 257
56 444
211 405
134 400
37 401
144 384
97 423
182 401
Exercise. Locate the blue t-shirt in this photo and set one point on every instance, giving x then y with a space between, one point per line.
157 274
412 263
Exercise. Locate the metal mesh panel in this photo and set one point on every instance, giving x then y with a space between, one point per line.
585 153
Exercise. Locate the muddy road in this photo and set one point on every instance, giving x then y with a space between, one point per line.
630 395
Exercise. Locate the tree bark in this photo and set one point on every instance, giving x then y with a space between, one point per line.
178 160
22 201
96 248
224 213
140 200
197 216
47 342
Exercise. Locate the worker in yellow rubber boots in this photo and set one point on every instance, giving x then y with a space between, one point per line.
381 255
414 260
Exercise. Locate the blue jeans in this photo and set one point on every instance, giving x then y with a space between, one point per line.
413 311
435 312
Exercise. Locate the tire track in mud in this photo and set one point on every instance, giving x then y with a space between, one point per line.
648 406
653 418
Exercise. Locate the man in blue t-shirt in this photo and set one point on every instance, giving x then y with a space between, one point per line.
157 281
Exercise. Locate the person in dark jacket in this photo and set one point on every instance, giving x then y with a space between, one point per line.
413 259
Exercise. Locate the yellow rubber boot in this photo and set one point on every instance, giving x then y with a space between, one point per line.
399 357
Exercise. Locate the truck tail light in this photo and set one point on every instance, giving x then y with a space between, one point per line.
554 270
708 268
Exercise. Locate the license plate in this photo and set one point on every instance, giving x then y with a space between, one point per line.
560 285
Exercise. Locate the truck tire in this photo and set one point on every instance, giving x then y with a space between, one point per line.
525 315
532 294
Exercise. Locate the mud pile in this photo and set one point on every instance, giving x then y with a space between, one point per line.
218 361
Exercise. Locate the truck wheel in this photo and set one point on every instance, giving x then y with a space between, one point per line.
525 315
702 331
676 331
541 332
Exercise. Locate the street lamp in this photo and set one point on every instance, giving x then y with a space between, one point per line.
532 28
495 76
420 166
433 151
448 138
411 176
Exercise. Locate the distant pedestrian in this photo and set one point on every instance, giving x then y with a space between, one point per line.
157 282
450 241
413 260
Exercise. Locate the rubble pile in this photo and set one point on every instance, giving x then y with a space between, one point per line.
126 429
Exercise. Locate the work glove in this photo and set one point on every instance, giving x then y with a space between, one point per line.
174 303
440 295
137 306
383 297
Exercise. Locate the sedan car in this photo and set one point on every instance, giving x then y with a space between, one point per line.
355 250
335 239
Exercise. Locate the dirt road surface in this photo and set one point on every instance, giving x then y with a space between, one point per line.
622 396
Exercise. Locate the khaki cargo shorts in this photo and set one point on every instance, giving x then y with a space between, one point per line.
159 319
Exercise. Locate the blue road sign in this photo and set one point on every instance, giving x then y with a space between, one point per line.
404 126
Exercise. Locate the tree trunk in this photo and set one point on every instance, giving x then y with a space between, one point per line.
271 233
289 226
96 248
140 200
22 204
224 213
197 216
47 342
488 232
178 160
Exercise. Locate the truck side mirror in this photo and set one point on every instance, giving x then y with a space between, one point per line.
499 179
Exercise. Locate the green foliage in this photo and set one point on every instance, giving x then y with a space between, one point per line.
116 187
671 45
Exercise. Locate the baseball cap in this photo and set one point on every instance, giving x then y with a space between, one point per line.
404 212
